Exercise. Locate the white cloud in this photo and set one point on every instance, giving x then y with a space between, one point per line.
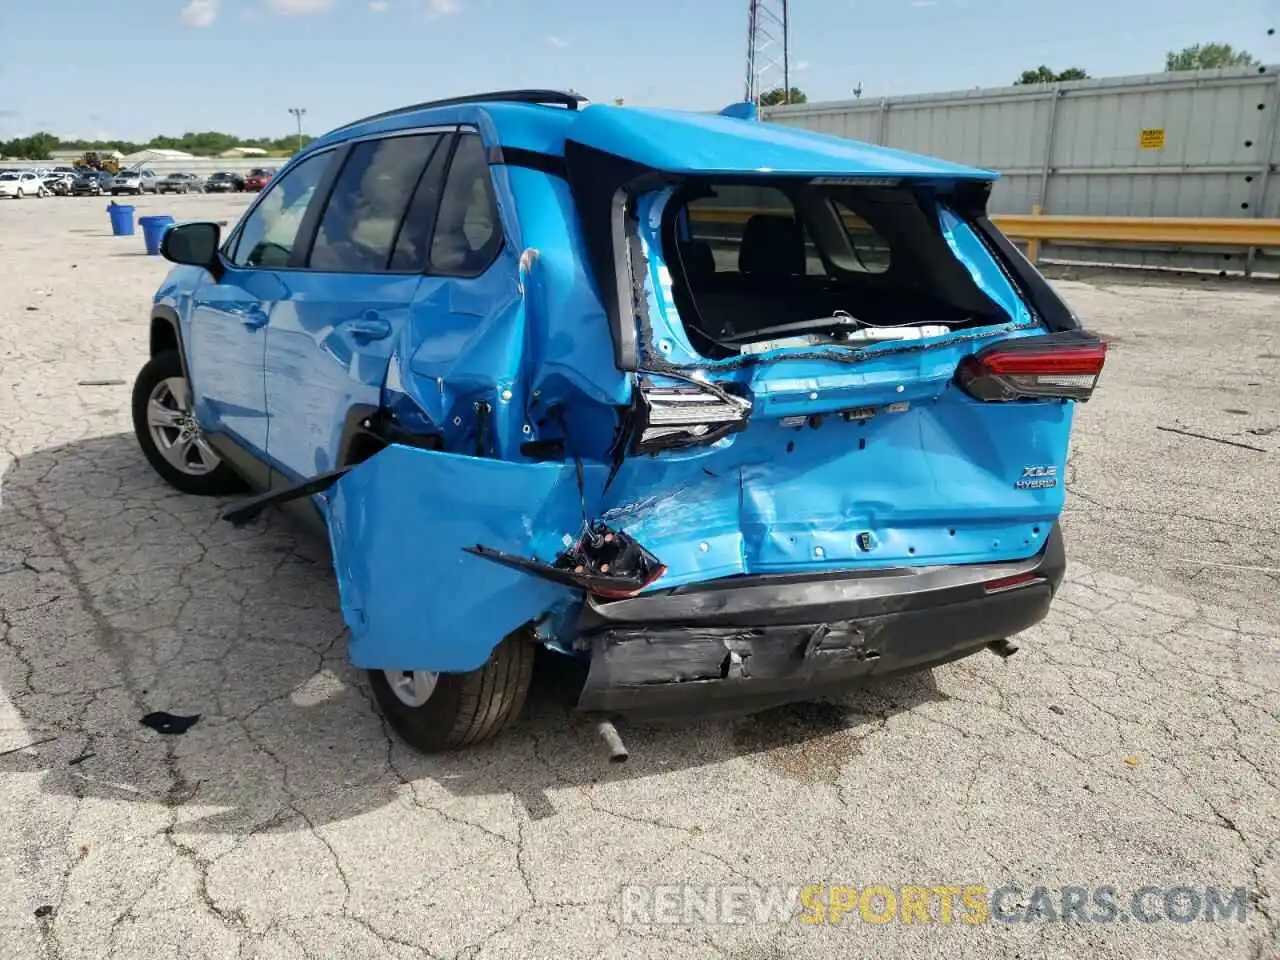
924 3
801 66
200 13
554 41
442 8
379 6
298 8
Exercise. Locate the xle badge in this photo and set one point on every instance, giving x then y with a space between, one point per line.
1037 478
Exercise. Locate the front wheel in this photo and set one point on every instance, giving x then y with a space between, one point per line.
169 435
20 194
442 711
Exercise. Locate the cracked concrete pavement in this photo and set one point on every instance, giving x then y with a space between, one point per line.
1132 742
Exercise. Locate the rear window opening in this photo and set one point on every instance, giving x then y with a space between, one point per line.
756 267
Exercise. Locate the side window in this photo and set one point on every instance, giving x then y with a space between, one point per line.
268 236
415 232
868 252
368 203
468 231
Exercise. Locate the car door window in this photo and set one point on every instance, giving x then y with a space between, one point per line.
468 231
268 235
410 253
368 203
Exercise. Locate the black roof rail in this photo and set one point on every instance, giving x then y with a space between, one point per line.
560 98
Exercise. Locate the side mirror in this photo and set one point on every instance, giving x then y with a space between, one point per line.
195 245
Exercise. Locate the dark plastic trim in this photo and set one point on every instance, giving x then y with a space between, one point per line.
744 644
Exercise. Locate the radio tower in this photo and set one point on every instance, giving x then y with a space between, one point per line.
768 48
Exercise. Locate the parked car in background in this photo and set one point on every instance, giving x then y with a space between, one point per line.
134 181
59 184
736 413
179 183
19 184
224 181
258 178
91 183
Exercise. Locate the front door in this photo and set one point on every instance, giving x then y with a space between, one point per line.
226 339
330 342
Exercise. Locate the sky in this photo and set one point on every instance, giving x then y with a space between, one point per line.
139 68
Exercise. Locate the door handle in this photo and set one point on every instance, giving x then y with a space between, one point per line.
368 328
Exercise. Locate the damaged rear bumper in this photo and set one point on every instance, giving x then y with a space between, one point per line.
748 643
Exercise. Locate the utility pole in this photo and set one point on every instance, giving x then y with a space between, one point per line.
768 49
297 113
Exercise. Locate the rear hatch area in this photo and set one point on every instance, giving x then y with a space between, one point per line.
806 395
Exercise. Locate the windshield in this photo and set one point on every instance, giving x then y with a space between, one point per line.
258 172
8 176
221 176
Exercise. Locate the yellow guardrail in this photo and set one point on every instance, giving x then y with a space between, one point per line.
1178 231
1036 227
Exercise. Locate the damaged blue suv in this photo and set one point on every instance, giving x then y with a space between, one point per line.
736 413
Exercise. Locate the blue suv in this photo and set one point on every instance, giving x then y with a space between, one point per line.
736 413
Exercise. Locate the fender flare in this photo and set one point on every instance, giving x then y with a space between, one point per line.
163 313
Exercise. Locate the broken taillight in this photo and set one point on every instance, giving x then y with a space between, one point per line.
605 563
1058 366
675 417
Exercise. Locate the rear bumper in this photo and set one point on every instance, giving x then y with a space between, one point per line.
746 644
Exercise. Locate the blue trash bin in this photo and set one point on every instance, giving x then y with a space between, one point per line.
121 219
153 229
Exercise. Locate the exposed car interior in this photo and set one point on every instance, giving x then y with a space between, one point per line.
752 259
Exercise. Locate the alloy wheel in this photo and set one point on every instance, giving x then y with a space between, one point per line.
174 429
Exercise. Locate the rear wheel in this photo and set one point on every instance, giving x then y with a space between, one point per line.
442 711
169 435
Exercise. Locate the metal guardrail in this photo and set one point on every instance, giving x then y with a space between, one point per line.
1175 231
1037 228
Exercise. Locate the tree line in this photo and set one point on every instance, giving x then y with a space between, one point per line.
210 143
1200 56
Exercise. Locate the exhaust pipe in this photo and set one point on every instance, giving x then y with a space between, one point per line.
617 749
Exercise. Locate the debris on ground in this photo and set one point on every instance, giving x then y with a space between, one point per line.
1203 436
169 723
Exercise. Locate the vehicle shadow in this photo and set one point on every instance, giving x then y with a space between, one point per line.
121 597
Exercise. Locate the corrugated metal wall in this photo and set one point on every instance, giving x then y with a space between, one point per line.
1202 144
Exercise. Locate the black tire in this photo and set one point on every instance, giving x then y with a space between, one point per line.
464 708
218 482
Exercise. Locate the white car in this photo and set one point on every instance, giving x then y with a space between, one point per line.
22 183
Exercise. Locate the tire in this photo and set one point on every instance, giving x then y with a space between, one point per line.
20 194
204 474
464 708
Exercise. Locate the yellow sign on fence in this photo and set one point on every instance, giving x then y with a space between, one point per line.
1152 139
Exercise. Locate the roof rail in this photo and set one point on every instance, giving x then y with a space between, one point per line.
560 98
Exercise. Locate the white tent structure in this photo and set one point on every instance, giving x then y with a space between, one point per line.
151 154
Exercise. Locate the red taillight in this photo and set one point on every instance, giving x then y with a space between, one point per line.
1064 360
1062 366
1010 583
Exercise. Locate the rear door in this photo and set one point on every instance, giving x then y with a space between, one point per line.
226 336
330 338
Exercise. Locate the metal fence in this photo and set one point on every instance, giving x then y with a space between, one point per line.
1201 144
